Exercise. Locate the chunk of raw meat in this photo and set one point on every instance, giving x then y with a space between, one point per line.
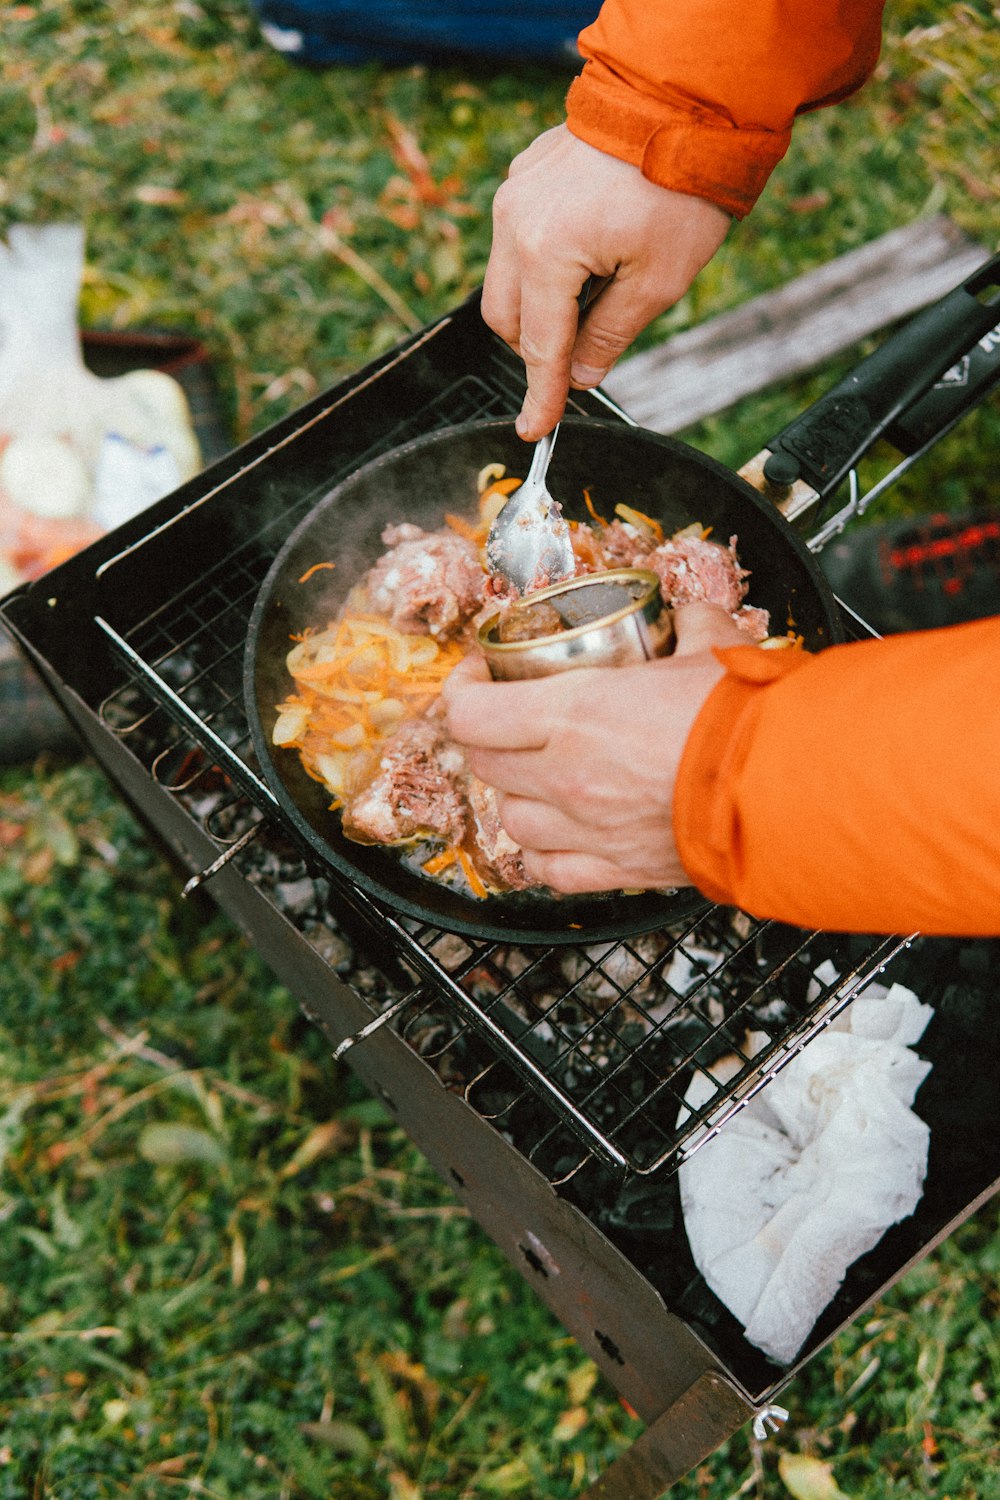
429 582
417 789
495 844
694 570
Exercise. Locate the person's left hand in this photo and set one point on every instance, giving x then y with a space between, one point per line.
584 762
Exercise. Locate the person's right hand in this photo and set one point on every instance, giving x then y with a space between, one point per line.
568 212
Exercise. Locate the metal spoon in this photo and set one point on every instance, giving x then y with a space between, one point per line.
528 543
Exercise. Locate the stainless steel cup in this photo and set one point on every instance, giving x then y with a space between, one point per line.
611 619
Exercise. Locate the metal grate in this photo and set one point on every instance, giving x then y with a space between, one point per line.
623 1029
189 653
576 1052
599 1044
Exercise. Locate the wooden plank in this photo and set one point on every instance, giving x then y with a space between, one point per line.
795 328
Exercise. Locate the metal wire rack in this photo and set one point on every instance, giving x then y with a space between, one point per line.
607 1037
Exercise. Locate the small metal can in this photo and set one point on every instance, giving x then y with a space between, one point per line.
612 619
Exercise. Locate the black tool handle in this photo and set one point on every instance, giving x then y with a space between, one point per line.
826 441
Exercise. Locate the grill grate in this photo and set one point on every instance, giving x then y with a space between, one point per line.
622 1029
597 1044
589 1050
189 653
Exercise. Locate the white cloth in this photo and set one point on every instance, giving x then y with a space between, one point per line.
811 1173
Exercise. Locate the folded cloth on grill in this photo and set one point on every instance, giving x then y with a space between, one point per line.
813 1171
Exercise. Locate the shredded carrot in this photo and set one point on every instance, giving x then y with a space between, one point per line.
469 871
441 861
501 487
354 683
630 514
316 567
590 506
310 772
471 533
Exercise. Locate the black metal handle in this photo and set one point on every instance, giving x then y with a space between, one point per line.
825 442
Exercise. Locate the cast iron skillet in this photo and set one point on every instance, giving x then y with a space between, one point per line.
418 482
902 379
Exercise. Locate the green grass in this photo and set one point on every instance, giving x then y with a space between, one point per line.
223 1270
223 1266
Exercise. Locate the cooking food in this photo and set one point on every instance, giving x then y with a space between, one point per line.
615 618
364 715
531 622
577 603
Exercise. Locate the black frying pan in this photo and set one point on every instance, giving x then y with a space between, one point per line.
898 391
419 482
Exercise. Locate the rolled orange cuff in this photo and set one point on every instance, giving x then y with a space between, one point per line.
674 146
706 818
857 790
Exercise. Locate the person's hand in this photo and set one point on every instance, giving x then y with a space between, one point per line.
584 762
568 212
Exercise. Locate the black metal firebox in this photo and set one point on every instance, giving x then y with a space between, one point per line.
559 1073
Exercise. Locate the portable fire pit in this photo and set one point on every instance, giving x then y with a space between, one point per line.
559 1071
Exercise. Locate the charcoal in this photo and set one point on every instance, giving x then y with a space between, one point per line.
450 950
332 947
645 1209
297 898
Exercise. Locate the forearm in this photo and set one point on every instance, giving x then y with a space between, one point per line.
858 790
701 95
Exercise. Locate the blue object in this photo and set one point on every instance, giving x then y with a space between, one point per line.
318 32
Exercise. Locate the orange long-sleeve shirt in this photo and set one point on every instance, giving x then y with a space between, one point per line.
702 94
857 790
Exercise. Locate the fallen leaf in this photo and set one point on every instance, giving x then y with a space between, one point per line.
570 1424
168 1145
159 197
808 1478
38 866
408 155
581 1382
403 215
809 203
320 1140
446 263
342 1437
175 1465
983 192
238 1258
400 1368
455 1322
402 1487
509 1479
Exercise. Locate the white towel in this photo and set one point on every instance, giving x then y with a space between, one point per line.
813 1171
